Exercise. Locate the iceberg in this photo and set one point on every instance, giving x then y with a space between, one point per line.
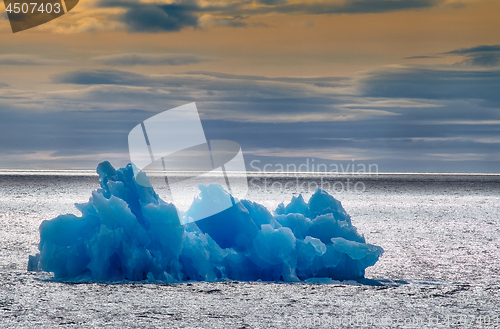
126 232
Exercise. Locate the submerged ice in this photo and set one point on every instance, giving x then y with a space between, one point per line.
126 232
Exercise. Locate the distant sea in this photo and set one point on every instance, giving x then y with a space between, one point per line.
441 266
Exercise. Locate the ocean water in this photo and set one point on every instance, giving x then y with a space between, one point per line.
441 266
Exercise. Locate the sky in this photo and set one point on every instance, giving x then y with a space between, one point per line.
408 85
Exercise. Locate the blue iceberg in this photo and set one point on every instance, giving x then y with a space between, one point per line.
126 232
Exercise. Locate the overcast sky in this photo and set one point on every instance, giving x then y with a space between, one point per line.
412 86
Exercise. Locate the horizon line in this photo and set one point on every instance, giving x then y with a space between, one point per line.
93 172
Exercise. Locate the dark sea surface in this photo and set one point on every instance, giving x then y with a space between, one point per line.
441 266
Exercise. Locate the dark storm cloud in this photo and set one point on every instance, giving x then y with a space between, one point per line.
149 17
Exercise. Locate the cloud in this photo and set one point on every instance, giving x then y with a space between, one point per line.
475 50
208 20
400 118
484 55
134 59
4 85
272 2
213 80
421 57
425 96
354 6
145 16
322 7
280 99
154 17
439 84
148 17
22 60
89 77
241 86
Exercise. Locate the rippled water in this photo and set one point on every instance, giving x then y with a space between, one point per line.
441 263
